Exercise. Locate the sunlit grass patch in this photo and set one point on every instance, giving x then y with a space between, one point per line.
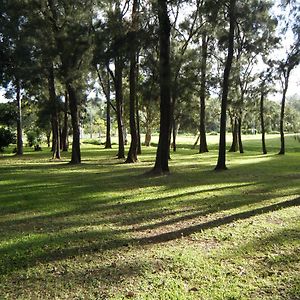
105 230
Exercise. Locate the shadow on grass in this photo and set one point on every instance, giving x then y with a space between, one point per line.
78 198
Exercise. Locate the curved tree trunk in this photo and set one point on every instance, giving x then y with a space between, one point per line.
262 122
203 144
19 120
73 104
221 164
162 154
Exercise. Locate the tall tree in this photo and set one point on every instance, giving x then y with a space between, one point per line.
221 164
285 68
162 154
132 154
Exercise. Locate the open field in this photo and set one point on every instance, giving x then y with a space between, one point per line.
104 230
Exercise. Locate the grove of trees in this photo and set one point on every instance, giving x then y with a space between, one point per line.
141 66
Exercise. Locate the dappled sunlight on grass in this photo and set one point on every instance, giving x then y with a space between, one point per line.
104 229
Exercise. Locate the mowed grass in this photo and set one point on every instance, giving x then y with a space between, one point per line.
104 230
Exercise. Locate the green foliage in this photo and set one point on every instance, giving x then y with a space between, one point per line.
34 137
8 115
6 138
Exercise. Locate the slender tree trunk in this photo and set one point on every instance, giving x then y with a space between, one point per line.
196 142
137 115
174 134
108 121
234 143
282 142
221 164
203 144
239 134
73 104
262 122
19 120
132 154
54 114
64 135
162 154
119 105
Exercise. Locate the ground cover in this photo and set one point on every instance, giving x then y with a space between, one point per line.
103 230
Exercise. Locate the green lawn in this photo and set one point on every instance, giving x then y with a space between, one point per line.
104 230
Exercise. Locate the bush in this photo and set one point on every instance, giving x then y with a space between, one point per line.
6 138
33 137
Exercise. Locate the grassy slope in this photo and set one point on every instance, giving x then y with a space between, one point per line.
102 230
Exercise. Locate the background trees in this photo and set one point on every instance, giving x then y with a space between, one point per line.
58 55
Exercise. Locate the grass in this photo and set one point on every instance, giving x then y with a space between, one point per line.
103 230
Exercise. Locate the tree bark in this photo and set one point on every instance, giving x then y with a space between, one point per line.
262 122
54 114
73 104
239 134
282 141
137 115
203 144
221 164
108 119
132 154
162 154
174 146
19 120
64 135
119 105
234 143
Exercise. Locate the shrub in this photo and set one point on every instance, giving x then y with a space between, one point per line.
6 138
33 137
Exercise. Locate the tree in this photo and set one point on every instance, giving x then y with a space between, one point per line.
132 154
221 164
71 29
162 154
285 68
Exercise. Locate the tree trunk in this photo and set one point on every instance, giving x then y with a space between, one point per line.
162 154
108 122
148 137
239 134
119 105
132 154
282 142
221 164
196 142
64 135
137 115
262 122
19 120
174 146
54 114
73 104
48 136
203 144
234 143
